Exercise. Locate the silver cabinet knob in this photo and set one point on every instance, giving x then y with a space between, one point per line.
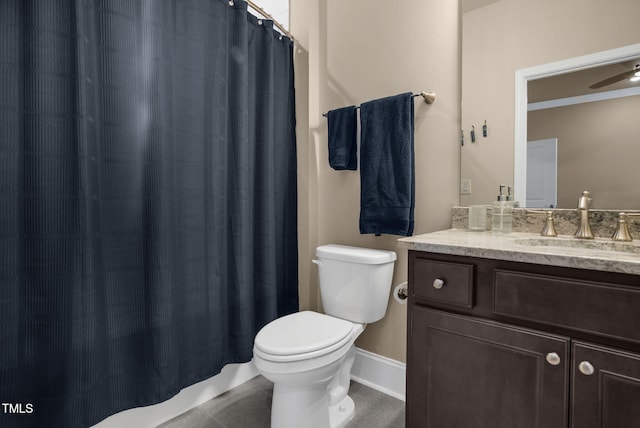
438 283
586 368
553 358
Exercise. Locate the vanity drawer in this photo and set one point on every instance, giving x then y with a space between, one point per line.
606 309
445 282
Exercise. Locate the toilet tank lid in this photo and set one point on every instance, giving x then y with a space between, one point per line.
355 254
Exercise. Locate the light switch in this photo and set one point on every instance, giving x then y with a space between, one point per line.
465 186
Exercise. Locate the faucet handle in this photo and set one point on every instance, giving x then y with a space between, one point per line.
622 229
549 224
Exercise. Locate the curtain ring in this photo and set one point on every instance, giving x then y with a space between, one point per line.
259 21
231 3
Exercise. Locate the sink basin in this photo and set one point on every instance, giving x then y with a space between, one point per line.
598 245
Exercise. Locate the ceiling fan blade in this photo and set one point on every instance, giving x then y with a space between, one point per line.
612 79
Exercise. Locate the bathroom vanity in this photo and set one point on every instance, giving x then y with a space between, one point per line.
522 331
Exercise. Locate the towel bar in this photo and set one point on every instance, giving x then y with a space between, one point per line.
429 98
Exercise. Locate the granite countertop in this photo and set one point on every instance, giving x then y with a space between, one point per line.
598 254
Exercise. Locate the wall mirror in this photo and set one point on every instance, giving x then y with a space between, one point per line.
517 52
576 128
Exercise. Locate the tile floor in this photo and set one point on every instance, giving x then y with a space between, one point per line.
249 406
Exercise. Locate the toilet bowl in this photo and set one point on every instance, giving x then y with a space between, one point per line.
308 355
308 388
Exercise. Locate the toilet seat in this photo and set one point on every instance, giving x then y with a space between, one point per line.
301 336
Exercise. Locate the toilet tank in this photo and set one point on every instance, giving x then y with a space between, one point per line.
355 282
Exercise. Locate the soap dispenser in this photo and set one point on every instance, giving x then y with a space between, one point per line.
514 204
502 215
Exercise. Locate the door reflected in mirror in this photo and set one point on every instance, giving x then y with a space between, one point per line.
542 173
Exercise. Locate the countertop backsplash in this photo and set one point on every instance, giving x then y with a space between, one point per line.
603 222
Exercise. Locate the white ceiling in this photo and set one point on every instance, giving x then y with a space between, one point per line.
578 82
279 9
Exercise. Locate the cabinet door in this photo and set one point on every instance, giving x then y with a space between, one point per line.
469 373
606 388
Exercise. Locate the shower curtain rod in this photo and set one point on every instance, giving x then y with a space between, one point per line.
262 12
429 98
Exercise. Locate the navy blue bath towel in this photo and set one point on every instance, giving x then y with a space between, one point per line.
342 125
387 177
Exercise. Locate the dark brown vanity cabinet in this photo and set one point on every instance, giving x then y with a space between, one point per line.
520 345
608 397
476 373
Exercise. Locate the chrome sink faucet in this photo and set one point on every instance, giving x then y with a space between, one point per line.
584 230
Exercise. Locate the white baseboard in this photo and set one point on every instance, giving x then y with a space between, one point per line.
231 376
380 373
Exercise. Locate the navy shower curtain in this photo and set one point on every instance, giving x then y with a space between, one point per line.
147 200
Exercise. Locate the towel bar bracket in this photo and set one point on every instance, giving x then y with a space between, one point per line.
429 97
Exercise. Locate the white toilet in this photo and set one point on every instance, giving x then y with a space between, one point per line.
308 355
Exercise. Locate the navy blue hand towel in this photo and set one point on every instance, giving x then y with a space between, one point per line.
342 138
387 177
